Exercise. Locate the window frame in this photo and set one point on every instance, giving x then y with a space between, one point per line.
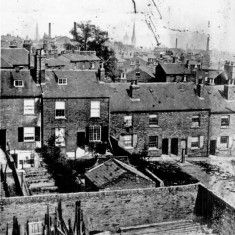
61 110
196 124
15 81
32 132
64 81
33 107
197 145
152 123
128 121
92 109
60 143
224 145
228 121
153 144
128 143
95 136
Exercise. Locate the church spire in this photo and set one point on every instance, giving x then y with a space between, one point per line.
133 39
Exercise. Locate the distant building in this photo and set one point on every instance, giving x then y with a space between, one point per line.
141 74
115 175
172 72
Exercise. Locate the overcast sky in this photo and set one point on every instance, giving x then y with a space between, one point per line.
117 16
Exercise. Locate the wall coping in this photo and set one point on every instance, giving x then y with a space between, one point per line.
102 194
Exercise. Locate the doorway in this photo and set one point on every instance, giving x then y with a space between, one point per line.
3 139
174 146
165 146
212 147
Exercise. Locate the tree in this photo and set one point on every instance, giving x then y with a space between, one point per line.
59 166
92 38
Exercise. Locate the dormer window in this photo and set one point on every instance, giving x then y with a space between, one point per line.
62 81
18 83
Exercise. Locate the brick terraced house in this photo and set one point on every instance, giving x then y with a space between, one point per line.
163 118
221 100
20 116
75 109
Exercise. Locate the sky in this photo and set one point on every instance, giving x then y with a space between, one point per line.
186 20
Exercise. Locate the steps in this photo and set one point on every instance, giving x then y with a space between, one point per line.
179 227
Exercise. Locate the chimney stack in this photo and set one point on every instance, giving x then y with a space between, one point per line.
101 73
49 33
135 90
176 42
200 90
74 28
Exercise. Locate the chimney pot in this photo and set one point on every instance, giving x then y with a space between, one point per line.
134 90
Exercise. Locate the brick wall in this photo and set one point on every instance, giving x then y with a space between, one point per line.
170 125
111 209
218 214
216 132
77 113
12 116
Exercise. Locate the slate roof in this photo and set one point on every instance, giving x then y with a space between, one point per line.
110 171
77 57
174 68
5 64
142 68
7 84
155 97
216 100
15 56
82 83
53 62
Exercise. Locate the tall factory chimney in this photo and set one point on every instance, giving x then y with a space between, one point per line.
49 33
75 29
176 42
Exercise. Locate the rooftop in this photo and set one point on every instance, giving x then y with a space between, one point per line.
155 97
29 88
174 68
109 171
80 83
15 56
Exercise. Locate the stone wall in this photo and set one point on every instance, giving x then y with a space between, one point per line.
218 214
216 132
170 125
108 210
77 118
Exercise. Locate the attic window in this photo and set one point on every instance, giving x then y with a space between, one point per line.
137 74
62 81
18 83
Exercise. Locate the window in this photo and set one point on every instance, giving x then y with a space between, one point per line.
153 141
196 121
93 65
29 134
195 142
94 133
60 137
137 74
62 81
132 62
128 140
28 106
224 141
224 121
153 120
60 109
18 83
95 108
128 121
